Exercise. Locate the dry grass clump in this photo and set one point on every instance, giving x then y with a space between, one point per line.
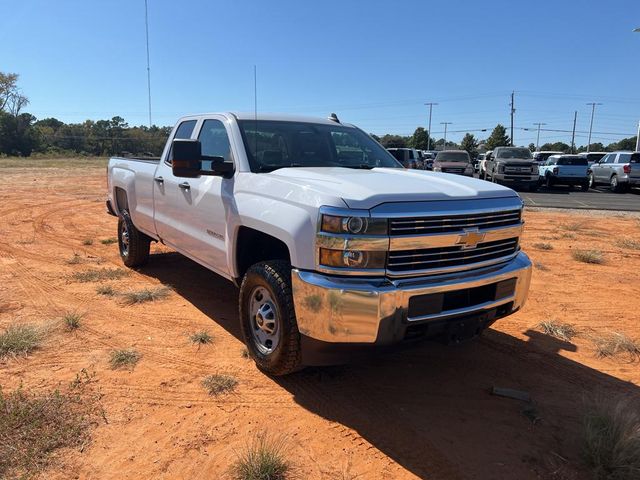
75 259
145 295
611 438
87 241
588 256
543 246
262 459
563 331
20 340
72 321
201 338
34 425
628 243
108 241
106 290
573 226
219 384
127 358
541 266
616 343
98 275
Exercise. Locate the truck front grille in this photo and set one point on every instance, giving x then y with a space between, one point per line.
453 223
517 169
403 261
458 171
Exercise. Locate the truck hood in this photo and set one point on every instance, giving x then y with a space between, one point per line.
365 189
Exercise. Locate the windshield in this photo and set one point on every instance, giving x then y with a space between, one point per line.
513 153
271 145
452 157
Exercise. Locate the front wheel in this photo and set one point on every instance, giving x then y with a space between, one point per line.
592 181
268 319
133 244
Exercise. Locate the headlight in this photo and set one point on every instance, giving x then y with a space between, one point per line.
352 258
500 168
353 225
437 169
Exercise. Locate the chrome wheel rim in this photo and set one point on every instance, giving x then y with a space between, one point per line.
614 182
124 240
265 320
591 181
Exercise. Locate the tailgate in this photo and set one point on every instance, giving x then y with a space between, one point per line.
572 171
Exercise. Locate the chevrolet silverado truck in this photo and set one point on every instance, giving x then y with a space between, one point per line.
337 249
513 166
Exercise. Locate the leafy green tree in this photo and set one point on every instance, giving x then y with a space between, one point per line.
375 137
470 144
420 139
556 147
498 138
396 141
532 147
624 144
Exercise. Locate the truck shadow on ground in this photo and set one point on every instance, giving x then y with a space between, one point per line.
429 408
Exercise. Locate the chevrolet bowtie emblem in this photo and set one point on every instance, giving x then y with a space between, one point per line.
471 238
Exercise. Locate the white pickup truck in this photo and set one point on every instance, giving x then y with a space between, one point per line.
336 248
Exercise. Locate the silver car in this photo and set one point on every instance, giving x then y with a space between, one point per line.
613 170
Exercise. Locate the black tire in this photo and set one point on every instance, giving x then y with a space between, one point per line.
592 180
585 187
275 277
548 181
484 175
614 184
132 243
533 187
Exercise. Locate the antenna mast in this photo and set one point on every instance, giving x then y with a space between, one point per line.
146 25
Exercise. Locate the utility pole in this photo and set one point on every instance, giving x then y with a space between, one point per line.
146 26
513 110
593 111
573 134
538 137
445 133
431 104
638 136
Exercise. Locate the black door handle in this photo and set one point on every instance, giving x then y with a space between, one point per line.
185 186
159 179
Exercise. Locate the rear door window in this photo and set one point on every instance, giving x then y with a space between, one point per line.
611 158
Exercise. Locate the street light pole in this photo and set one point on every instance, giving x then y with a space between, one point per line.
538 137
593 111
431 104
445 133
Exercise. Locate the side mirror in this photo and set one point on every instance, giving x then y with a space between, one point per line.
187 158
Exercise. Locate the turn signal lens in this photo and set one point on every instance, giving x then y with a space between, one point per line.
352 258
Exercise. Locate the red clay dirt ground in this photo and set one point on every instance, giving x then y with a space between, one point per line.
425 412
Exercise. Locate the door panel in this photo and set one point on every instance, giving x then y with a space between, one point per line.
191 212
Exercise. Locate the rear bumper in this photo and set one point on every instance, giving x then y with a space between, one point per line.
570 180
337 313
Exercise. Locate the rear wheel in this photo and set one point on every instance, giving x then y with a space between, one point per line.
585 187
592 181
614 184
548 181
268 319
133 244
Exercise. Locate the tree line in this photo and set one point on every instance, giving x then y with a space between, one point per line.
22 134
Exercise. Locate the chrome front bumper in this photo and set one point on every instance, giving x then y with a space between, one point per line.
356 310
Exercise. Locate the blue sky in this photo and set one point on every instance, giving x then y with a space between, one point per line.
374 63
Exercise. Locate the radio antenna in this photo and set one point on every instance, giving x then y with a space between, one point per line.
146 26
255 108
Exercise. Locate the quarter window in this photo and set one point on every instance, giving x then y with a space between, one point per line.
624 158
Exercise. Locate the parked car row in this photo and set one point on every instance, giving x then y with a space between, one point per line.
517 167
447 161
